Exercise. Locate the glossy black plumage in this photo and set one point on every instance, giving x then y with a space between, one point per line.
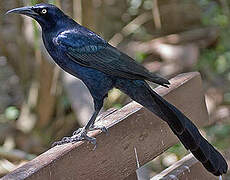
101 67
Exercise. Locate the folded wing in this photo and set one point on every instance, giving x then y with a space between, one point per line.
92 51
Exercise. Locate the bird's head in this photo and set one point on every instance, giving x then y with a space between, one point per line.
46 15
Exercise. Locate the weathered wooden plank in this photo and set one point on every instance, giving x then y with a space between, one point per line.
132 126
187 168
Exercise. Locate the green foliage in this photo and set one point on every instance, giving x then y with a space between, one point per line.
213 14
227 98
178 149
219 135
140 56
11 113
35 29
215 62
118 106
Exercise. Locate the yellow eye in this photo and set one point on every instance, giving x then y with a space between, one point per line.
44 11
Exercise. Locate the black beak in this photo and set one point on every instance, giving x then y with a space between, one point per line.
23 10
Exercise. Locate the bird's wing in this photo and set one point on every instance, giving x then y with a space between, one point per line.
88 49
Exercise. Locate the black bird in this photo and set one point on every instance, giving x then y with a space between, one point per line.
87 56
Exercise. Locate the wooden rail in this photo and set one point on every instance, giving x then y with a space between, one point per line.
187 168
130 127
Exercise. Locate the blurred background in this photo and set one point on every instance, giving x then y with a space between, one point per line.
39 103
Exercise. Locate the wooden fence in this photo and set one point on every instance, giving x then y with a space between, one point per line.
130 127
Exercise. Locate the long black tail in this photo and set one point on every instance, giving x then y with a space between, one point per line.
190 137
183 128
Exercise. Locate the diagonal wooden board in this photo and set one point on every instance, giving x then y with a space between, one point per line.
132 126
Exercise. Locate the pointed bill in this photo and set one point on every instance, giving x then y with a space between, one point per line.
23 10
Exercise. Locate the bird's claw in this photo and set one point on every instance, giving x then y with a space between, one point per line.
102 128
77 131
92 128
79 135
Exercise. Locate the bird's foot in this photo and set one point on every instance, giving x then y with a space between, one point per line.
102 128
92 128
79 135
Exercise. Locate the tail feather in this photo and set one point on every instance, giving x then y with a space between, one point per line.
157 79
190 137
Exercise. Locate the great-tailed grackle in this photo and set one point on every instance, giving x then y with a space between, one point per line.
101 67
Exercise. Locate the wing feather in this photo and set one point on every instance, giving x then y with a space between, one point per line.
92 51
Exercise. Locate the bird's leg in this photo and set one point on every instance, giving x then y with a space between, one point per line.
102 116
90 126
81 134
